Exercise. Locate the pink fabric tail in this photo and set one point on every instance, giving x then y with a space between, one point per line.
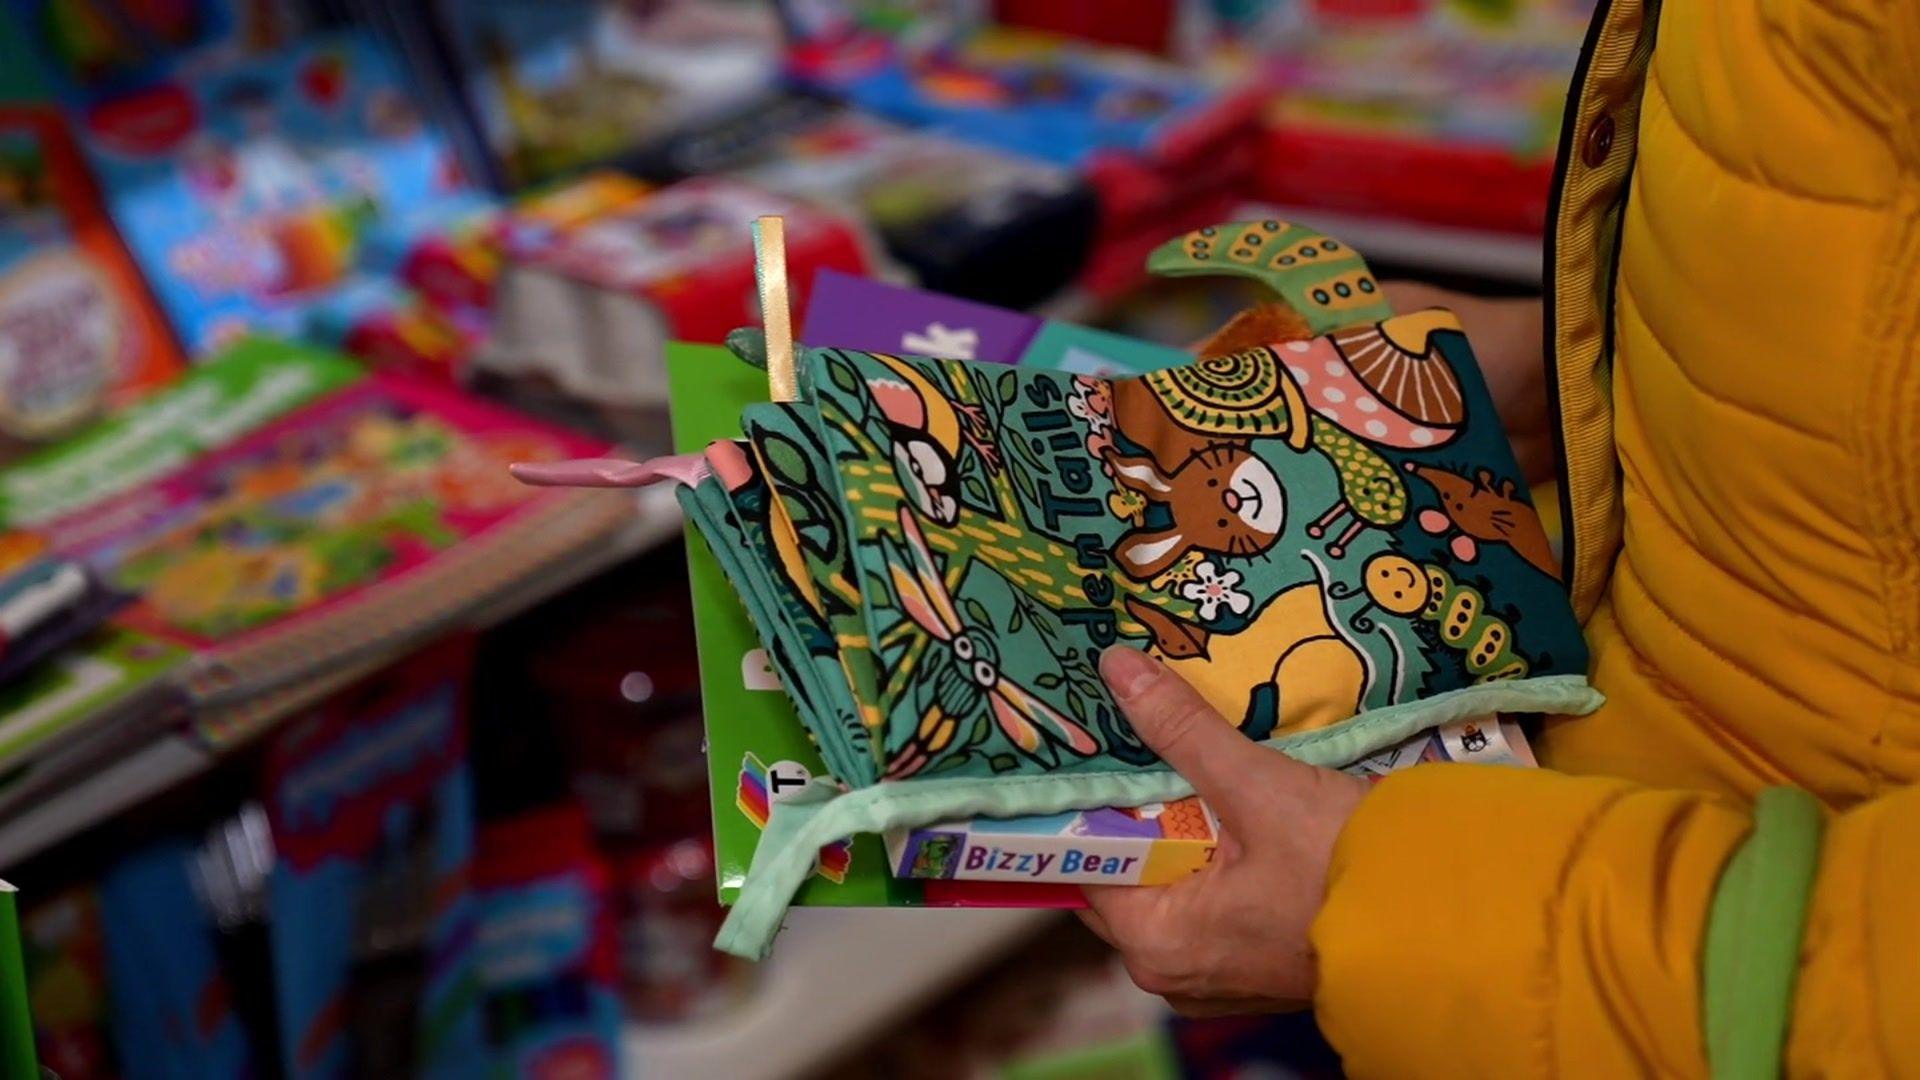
686 469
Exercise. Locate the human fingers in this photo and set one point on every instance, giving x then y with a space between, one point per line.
1177 723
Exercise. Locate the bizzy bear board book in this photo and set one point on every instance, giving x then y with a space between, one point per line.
1319 524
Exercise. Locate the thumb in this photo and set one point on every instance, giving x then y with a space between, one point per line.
1188 734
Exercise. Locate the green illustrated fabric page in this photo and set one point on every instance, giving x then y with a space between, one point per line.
1297 561
755 740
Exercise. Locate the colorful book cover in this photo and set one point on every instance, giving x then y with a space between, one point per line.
242 181
216 402
79 333
370 516
757 750
1114 846
86 49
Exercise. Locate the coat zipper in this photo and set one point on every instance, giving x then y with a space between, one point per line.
1582 430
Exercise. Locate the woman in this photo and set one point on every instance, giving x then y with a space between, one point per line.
1723 871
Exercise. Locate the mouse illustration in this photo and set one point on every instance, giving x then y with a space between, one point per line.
1484 510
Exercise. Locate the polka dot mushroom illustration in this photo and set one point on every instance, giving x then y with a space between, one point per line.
1368 386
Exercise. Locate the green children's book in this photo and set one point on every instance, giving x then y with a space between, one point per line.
1322 529
17 1055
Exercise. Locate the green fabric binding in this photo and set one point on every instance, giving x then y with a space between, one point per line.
821 815
1753 936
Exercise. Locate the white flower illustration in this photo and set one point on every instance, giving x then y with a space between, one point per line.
1212 587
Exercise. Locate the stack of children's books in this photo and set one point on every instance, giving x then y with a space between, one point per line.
271 526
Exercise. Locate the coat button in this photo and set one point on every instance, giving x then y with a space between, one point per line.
1599 141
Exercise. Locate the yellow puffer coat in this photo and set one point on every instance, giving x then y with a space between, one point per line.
1735 313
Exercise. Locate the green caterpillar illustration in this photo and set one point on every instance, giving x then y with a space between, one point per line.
1399 586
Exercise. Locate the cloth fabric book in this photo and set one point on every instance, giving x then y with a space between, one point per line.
1325 533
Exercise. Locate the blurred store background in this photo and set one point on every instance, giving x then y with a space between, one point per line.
326 749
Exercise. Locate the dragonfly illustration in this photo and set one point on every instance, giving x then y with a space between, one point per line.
971 674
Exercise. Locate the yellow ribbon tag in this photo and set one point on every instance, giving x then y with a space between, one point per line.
770 274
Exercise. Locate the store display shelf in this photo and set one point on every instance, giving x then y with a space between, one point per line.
106 787
837 977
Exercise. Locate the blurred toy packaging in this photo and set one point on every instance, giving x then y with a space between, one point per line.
373 928
1036 95
1440 112
963 218
46 605
103 46
79 333
544 949
592 307
421 299
399 329
669 968
174 1010
557 85
1164 147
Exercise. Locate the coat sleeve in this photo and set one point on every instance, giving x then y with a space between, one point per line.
1500 922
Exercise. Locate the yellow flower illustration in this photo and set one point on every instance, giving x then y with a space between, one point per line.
1127 505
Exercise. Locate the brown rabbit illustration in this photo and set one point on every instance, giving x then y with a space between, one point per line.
1221 499
1485 511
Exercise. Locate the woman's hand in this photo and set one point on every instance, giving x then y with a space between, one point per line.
1509 340
1232 938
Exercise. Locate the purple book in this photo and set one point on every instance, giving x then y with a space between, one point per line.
849 312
